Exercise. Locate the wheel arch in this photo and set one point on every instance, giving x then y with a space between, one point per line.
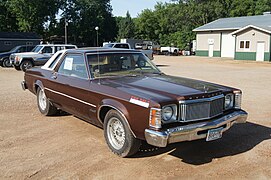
109 104
37 84
27 59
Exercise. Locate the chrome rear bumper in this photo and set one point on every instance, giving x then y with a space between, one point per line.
24 86
193 131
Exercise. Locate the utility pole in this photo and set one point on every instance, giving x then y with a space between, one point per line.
66 33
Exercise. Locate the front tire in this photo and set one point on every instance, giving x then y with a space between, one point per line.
17 68
26 64
6 63
44 105
118 136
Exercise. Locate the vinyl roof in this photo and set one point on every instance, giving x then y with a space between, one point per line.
100 50
263 21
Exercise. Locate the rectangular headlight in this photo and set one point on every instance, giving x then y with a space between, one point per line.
155 118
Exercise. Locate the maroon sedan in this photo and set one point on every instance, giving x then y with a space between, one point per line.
124 93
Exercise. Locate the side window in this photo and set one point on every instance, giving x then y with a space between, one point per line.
47 49
29 43
125 46
55 61
29 48
245 45
117 46
242 44
58 48
22 49
73 65
7 43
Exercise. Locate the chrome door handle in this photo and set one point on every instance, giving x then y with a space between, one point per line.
54 76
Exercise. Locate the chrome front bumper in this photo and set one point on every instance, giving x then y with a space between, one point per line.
193 131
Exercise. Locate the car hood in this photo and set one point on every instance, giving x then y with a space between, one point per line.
25 54
5 54
164 87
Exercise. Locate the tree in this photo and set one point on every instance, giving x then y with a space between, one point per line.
82 17
7 19
173 23
31 15
126 27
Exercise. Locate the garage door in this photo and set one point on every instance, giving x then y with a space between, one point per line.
227 45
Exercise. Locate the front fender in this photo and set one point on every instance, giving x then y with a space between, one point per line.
116 105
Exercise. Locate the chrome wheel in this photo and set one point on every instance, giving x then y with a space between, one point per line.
26 64
116 133
42 100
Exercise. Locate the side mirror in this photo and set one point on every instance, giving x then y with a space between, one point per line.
40 52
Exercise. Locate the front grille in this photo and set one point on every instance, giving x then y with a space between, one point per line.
12 58
193 110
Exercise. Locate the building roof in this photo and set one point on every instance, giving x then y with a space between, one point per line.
235 23
19 35
264 29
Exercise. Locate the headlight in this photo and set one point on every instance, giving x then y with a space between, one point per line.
228 101
17 58
169 113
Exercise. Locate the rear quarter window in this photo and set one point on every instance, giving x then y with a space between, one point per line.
55 61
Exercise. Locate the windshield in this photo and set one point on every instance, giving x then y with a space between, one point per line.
115 64
36 49
14 49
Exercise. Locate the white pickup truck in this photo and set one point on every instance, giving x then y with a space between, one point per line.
170 51
147 52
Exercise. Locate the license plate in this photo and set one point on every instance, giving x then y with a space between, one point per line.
214 134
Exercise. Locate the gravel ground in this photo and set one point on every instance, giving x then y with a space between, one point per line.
63 147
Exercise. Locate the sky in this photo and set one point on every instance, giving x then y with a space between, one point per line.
120 7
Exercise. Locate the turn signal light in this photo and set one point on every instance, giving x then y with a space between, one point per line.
155 118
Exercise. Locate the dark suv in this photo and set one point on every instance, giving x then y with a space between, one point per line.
4 57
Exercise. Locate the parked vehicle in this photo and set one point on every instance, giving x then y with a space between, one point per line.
37 57
170 51
124 93
156 48
4 57
147 52
144 44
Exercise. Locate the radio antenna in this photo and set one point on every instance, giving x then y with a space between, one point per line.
98 55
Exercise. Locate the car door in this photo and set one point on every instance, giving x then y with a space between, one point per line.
69 86
45 54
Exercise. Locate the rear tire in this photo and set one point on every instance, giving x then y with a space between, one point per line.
118 136
6 63
45 106
26 64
